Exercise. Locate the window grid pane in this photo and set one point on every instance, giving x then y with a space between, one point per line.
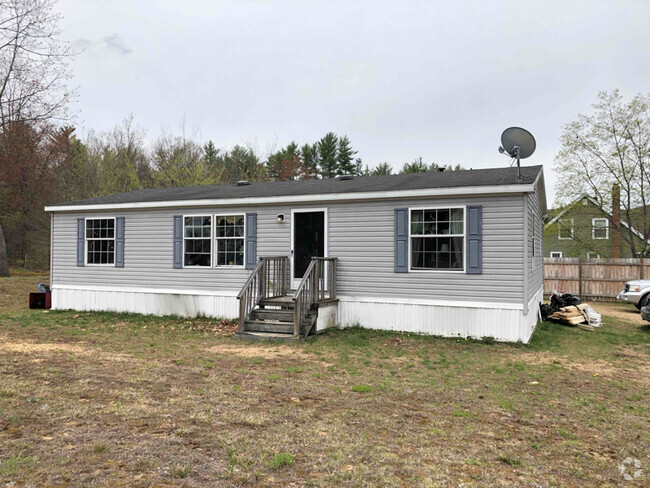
437 222
565 229
600 228
437 239
197 235
229 233
100 241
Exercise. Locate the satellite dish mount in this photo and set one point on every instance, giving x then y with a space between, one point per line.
517 143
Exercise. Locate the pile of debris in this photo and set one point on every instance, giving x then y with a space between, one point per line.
569 310
583 315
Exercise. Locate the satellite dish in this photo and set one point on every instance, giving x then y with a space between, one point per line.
517 143
515 138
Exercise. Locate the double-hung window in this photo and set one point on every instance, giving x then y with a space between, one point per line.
534 235
229 233
100 241
437 239
565 229
197 240
599 229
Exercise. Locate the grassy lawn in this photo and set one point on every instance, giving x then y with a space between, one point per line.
100 399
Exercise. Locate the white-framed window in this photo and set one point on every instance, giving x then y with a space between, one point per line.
599 228
556 254
197 241
437 238
534 235
565 229
593 255
100 241
229 236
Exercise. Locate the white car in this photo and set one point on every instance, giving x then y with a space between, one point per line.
635 292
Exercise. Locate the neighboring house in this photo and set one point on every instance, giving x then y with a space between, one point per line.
453 253
584 229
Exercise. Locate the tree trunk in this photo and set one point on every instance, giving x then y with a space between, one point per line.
4 259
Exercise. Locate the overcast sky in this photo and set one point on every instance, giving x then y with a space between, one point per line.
402 79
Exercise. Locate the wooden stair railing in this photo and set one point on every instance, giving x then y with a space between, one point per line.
318 284
268 280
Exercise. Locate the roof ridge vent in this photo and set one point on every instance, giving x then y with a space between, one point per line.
243 183
344 177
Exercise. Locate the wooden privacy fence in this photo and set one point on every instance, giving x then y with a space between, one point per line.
592 279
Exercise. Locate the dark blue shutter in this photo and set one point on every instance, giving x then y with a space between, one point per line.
401 240
251 240
475 239
178 241
81 240
119 242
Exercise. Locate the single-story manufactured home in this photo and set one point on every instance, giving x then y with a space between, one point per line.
450 253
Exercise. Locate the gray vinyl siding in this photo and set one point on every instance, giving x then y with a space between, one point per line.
536 262
361 235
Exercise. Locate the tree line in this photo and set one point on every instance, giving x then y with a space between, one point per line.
41 163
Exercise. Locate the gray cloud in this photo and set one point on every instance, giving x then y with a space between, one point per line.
81 44
115 43
111 43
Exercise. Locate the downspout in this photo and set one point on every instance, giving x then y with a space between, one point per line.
525 291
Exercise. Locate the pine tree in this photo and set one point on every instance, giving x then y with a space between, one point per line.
358 166
327 160
210 155
344 158
382 169
242 163
273 164
213 163
285 164
417 166
309 163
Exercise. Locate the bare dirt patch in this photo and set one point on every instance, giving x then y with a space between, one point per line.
245 350
34 348
637 371
620 311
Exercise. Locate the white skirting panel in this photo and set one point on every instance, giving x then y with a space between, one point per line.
502 324
327 317
186 305
530 320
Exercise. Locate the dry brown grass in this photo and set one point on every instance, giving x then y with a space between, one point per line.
14 291
118 400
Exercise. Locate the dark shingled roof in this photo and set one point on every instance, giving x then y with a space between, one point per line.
415 181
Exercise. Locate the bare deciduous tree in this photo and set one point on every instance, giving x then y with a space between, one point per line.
611 146
33 69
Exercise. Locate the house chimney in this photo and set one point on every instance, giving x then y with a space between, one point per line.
616 221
